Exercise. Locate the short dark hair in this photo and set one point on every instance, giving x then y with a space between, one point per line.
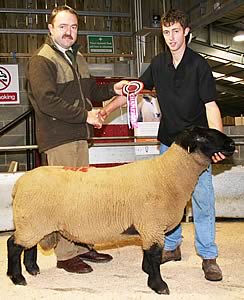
58 9
173 16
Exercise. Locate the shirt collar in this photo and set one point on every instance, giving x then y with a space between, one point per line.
61 49
185 57
75 47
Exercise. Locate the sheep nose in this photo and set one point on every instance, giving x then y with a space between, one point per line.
232 145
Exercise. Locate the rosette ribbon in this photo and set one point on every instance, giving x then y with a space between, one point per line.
131 92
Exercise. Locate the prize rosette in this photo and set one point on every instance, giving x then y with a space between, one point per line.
131 91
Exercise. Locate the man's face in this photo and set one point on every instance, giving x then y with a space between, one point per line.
64 29
174 36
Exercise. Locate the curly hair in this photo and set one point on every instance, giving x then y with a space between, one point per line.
175 16
58 9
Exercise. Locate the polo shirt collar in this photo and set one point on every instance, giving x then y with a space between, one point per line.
185 58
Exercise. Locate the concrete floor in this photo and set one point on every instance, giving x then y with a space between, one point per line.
123 278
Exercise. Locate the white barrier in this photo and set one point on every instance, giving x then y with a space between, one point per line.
228 185
229 192
7 181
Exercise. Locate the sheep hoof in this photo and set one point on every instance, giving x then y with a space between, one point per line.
33 269
160 287
18 280
164 291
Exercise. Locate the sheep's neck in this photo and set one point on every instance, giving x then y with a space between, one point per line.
177 156
185 168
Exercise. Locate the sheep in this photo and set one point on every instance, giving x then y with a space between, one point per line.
146 197
148 109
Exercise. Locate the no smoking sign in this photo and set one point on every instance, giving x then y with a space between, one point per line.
5 78
9 84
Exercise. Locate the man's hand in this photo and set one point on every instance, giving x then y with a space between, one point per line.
218 157
94 119
118 86
103 114
116 102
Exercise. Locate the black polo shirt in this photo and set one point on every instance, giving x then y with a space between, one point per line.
182 92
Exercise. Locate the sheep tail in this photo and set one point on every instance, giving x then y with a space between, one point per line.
49 241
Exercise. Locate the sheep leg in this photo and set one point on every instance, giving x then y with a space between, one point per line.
30 257
14 262
151 266
146 267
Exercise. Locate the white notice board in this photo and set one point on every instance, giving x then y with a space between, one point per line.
9 84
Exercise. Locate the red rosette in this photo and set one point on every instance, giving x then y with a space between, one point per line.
134 87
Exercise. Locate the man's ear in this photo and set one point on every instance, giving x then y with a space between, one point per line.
50 27
187 30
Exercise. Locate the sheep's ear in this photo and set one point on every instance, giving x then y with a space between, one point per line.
191 148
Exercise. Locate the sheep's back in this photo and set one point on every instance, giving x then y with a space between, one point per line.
105 201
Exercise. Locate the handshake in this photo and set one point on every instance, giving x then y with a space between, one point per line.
96 117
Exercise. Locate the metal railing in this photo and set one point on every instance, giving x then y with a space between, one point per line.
30 147
33 158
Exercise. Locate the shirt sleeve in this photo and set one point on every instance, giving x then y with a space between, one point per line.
97 92
147 78
207 86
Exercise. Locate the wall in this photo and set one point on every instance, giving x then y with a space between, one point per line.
17 48
238 158
16 136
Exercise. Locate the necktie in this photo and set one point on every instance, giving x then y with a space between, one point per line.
71 56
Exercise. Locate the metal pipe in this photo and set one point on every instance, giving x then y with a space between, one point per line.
125 144
15 122
213 51
28 148
17 148
112 55
27 137
123 137
35 147
79 12
45 31
33 138
164 7
136 29
138 23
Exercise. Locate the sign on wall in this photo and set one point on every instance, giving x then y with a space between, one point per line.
100 44
9 84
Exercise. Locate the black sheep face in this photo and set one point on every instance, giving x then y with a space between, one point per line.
206 140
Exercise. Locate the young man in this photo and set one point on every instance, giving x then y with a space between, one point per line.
186 93
60 90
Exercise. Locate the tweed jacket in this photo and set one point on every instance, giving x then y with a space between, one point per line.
61 96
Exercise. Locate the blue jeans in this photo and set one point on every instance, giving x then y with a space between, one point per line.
203 207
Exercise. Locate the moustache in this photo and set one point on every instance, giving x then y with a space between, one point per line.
67 36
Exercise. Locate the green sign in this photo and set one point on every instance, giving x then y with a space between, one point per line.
100 44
